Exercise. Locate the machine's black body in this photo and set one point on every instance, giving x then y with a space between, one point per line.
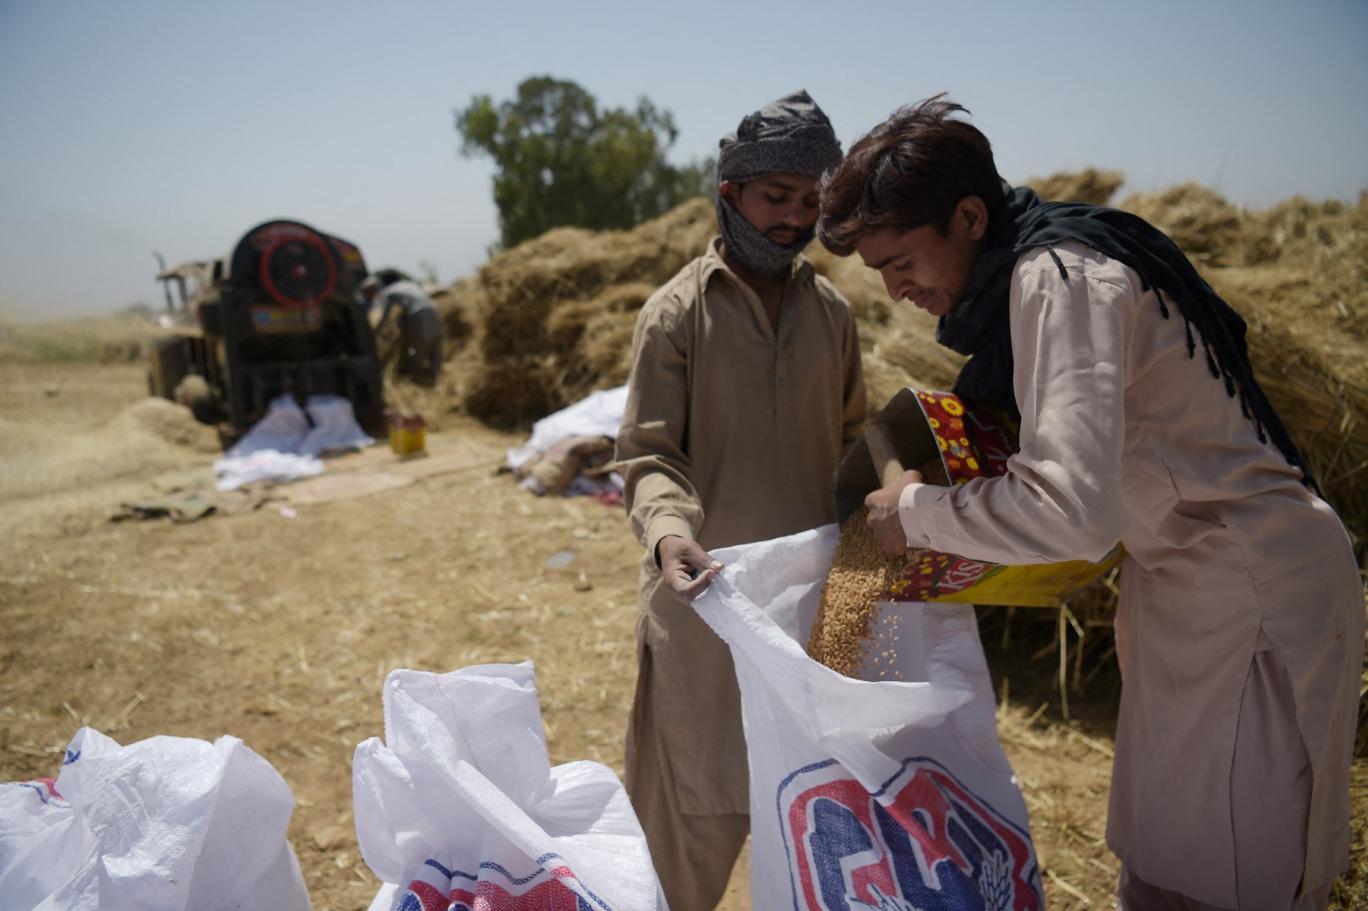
280 316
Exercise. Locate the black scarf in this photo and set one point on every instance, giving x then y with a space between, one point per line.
979 324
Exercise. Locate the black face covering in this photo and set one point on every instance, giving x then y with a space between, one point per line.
787 136
750 246
979 325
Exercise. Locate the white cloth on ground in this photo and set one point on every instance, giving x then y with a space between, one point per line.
285 444
265 465
597 414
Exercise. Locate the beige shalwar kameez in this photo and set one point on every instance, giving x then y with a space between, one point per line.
1240 628
732 433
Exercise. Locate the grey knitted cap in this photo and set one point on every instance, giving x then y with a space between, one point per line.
790 136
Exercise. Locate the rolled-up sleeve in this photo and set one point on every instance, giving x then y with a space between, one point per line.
1061 496
652 454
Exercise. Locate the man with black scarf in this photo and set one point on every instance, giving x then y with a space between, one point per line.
745 391
1240 624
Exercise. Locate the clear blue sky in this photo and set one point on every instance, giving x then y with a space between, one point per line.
132 126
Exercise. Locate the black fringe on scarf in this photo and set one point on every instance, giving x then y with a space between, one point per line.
979 326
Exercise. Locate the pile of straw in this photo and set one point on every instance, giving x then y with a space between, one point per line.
1298 272
551 320
1088 186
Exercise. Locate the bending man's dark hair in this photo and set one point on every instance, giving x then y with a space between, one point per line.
389 276
911 170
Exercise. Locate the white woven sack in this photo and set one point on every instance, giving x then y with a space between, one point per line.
163 824
459 807
890 794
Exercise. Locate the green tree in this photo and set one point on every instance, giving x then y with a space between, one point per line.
563 161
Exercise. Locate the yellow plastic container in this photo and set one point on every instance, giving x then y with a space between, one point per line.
407 434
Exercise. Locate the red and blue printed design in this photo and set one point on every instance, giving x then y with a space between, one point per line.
923 841
551 887
46 789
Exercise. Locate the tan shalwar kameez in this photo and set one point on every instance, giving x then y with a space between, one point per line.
1240 628
732 433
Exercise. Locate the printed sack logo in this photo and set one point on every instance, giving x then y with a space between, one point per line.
494 888
934 846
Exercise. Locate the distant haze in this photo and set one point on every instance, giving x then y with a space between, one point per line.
138 126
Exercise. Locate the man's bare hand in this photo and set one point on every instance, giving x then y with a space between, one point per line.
686 567
883 514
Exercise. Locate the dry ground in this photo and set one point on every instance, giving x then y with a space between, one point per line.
280 629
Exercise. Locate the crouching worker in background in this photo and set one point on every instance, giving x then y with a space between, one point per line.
745 390
1240 626
420 326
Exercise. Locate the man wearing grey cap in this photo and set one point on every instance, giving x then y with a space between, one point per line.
745 391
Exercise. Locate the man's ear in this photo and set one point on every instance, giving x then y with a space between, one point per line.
729 190
973 215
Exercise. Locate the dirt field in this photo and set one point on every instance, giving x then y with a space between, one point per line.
280 628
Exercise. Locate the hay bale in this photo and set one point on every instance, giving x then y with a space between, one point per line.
510 392
1089 186
459 305
1298 230
1313 367
555 314
593 339
1200 221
